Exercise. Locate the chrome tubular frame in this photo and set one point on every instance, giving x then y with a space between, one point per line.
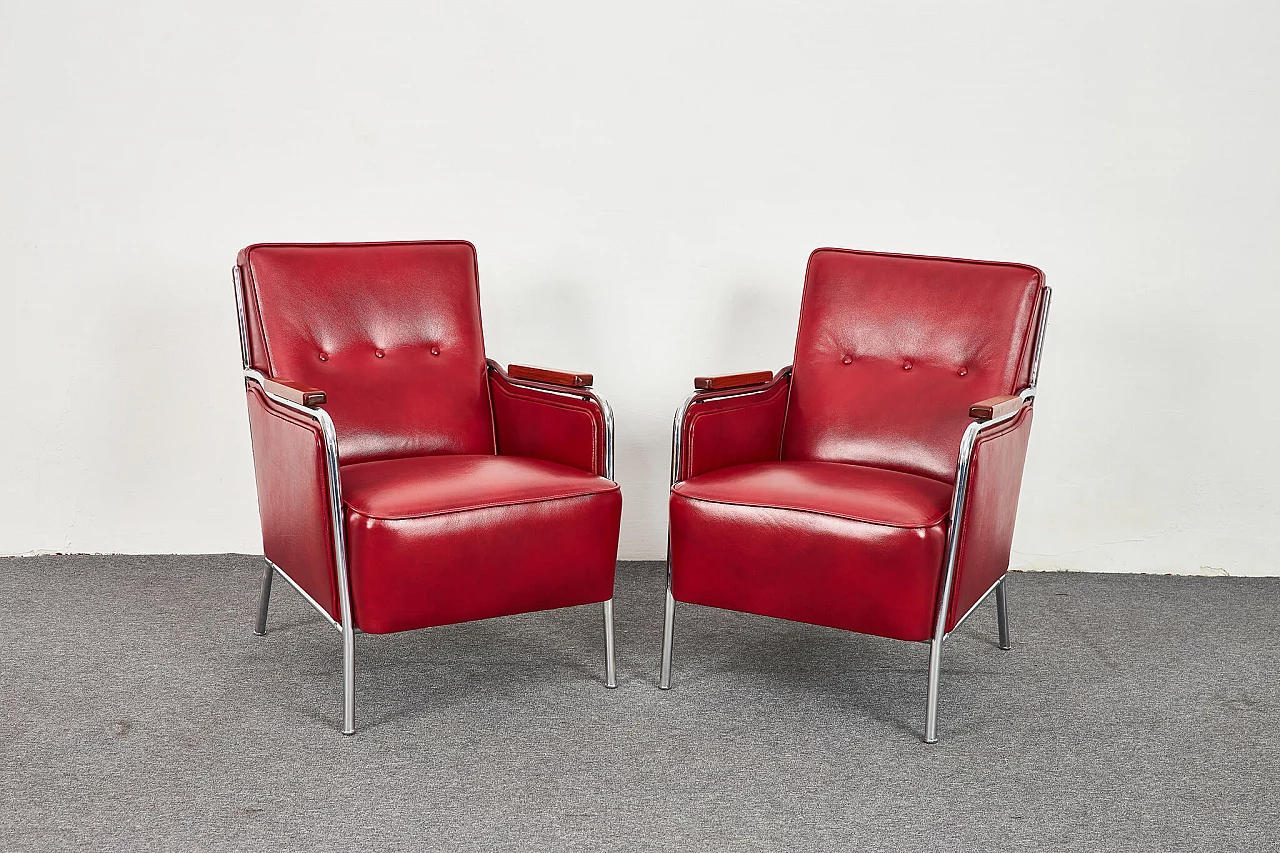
606 411
330 441
964 461
272 568
677 450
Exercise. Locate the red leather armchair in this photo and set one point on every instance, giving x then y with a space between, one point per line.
404 480
873 485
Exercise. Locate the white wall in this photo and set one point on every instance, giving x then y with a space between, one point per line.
644 183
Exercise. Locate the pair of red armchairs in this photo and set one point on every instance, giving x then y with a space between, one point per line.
406 481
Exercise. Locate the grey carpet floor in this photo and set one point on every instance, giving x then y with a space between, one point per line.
1133 713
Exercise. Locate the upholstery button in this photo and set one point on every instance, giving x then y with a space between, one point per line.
962 371
324 356
379 353
435 350
906 365
848 359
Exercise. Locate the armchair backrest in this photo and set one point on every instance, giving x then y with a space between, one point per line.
389 331
893 349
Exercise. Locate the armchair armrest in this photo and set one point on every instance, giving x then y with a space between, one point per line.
731 380
995 407
298 500
295 392
733 424
555 421
567 378
985 506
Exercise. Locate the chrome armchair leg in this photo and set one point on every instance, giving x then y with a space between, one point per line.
264 600
610 668
1002 615
668 629
348 681
931 710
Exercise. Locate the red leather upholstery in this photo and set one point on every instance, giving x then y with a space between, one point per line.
547 425
293 496
389 331
847 546
837 512
439 528
995 481
441 539
893 349
733 430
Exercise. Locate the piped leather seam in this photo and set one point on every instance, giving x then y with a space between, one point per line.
272 409
612 487
257 304
1013 426
764 399
1026 335
596 423
811 511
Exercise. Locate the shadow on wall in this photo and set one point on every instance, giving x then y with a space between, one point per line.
533 326
741 326
159 412
757 328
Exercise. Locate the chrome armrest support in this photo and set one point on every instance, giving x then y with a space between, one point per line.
606 411
701 396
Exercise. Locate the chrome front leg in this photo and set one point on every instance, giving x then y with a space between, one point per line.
931 710
348 681
610 668
668 630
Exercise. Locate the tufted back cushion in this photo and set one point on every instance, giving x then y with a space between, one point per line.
893 349
390 331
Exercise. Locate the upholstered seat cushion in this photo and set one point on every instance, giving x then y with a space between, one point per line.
439 539
848 546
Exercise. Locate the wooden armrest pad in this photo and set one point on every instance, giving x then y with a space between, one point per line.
731 380
995 407
295 392
568 378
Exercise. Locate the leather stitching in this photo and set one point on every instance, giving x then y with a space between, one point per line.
579 493
1026 335
1013 426
750 402
847 517
546 398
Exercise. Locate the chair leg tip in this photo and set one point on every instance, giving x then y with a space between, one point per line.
611 685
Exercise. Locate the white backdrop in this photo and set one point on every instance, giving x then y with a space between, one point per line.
644 184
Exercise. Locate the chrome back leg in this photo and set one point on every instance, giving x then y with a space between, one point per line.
1002 615
264 600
